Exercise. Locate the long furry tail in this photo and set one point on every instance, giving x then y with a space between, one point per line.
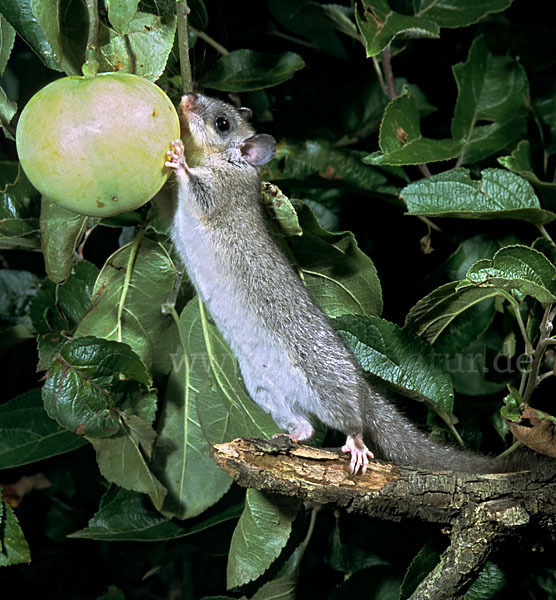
394 437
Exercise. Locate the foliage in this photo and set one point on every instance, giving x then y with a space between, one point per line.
427 191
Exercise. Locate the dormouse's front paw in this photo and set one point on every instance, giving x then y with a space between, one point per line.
176 159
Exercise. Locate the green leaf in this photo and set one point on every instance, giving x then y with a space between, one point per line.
124 458
498 195
320 159
425 561
451 318
19 225
363 110
462 13
260 535
309 22
182 458
143 50
28 435
545 114
246 70
284 584
519 161
489 583
130 291
198 16
76 293
339 17
225 409
546 247
382 582
386 351
13 547
517 268
349 558
18 196
112 593
470 251
7 38
469 370
56 309
280 209
126 516
513 405
492 105
49 346
120 14
401 141
8 108
339 276
379 25
89 380
61 232
44 312
19 234
21 17
49 16
17 288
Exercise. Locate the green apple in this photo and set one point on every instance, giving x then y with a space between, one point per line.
97 145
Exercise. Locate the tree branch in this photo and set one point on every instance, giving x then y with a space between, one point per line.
471 542
479 509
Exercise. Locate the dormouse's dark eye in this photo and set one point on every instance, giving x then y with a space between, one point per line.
222 124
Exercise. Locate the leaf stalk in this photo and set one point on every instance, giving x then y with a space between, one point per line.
90 67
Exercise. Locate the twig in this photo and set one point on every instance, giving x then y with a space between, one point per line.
429 223
380 76
509 450
545 376
537 354
182 12
169 307
528 345
389 75
389 87
545 234
444 415
424 170
90 67
210 41
80 249
291 38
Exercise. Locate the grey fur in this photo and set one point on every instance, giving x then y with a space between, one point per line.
293 362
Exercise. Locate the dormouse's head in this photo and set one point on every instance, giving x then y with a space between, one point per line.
216 131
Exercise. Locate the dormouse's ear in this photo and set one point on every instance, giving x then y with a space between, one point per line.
258 149
245 112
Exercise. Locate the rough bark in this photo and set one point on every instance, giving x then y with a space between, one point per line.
478 510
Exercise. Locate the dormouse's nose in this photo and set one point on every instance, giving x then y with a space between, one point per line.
188 102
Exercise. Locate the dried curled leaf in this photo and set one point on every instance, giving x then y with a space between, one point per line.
537 431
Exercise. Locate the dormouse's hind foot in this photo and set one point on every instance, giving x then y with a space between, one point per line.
360 454
300 433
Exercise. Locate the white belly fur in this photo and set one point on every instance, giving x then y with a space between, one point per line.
269 376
